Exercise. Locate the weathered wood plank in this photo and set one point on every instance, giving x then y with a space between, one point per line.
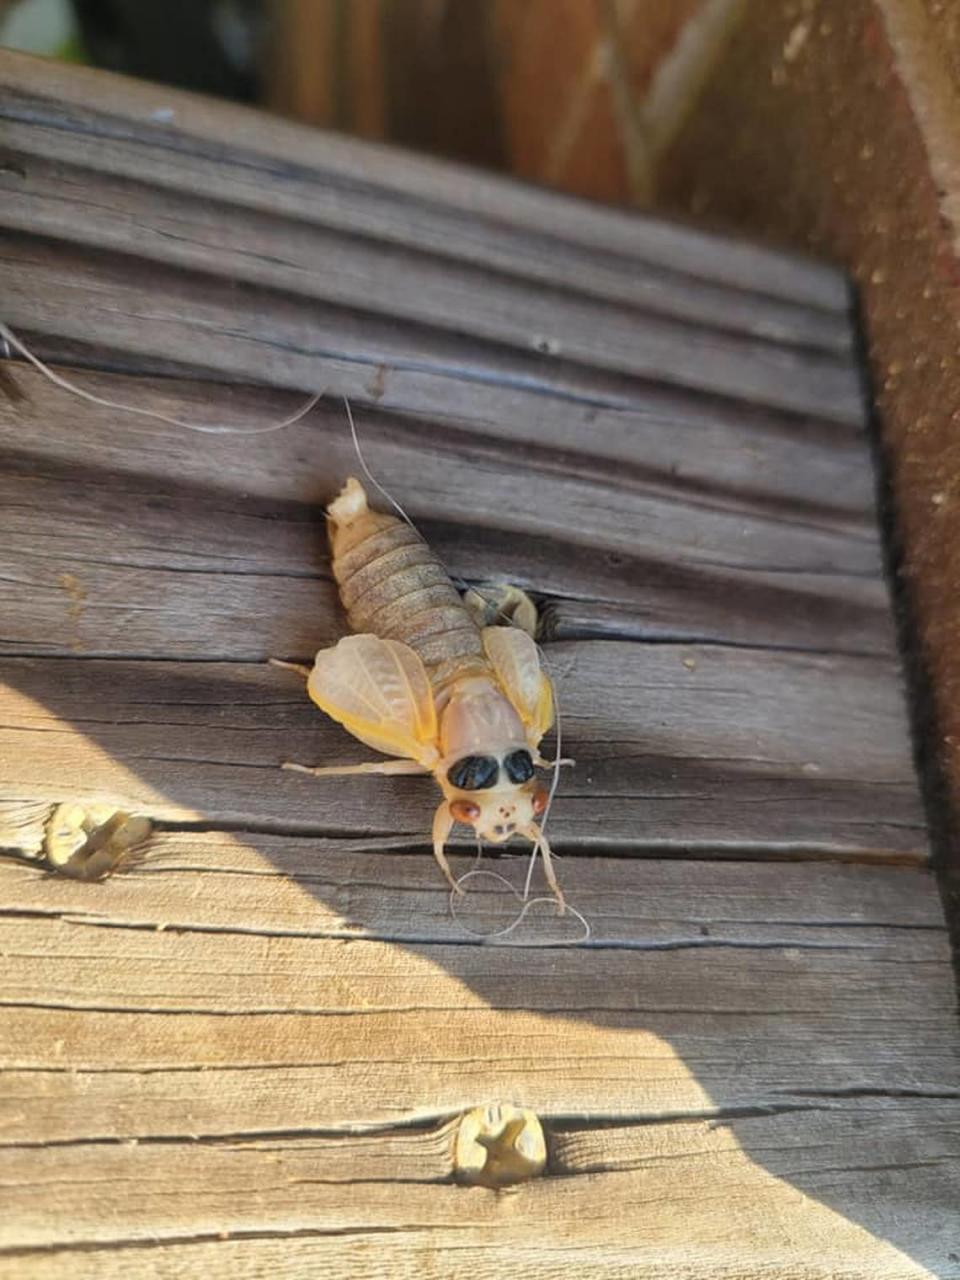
290 341
275 1004
859 1178
711 531
529 289
788 1072
257 162
559 503
209 234
59 966
668 444
373 887
645 1069
684 749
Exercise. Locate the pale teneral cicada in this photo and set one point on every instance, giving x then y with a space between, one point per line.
424 682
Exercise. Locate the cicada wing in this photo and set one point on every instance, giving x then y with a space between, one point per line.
517 665
380 692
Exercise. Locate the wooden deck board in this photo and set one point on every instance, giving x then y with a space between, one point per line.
700 762
334 992
248 1052
274 1069
261 163
237 329
621 1210
759 533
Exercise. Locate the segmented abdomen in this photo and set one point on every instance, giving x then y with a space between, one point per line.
394 586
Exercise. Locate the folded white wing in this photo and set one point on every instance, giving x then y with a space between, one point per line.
380 692
517 665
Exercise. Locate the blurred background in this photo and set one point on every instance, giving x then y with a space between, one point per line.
583 95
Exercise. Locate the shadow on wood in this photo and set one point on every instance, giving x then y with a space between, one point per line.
246 1052
282 970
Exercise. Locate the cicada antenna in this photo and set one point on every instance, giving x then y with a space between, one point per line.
369 474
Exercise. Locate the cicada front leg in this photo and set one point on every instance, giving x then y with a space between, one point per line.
539 761
534 834
442 826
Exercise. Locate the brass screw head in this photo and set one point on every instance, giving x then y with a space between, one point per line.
499 1145
89 841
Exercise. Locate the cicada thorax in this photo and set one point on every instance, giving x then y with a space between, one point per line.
487 771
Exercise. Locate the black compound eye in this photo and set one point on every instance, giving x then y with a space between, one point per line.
474 773
518 766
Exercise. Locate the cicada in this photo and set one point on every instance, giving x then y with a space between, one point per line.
422 681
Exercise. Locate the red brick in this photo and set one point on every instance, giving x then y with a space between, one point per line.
596 165
543 50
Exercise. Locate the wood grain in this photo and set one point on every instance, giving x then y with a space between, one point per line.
297 342
204 1109
721 530
545 297
248 1053
312 885
687 749
717 531
263 247
270 1009
109 123
260 973
195 1194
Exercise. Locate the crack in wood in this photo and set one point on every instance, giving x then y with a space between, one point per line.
213 1237
738 705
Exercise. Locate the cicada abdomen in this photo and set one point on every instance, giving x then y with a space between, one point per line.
394 586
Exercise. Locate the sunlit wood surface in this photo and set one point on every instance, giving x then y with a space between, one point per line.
247 1053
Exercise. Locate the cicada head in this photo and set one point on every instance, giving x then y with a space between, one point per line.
497 795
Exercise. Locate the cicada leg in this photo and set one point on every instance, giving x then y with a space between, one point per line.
442 826
534 833
501 605
341 770
539 761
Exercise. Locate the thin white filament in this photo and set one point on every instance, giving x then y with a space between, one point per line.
369 474
554 781
65 384
530 866
526 905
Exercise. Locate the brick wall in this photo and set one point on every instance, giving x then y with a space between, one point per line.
583 86
583 95
835 127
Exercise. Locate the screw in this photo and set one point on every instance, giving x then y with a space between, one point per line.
499 1145
88 842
